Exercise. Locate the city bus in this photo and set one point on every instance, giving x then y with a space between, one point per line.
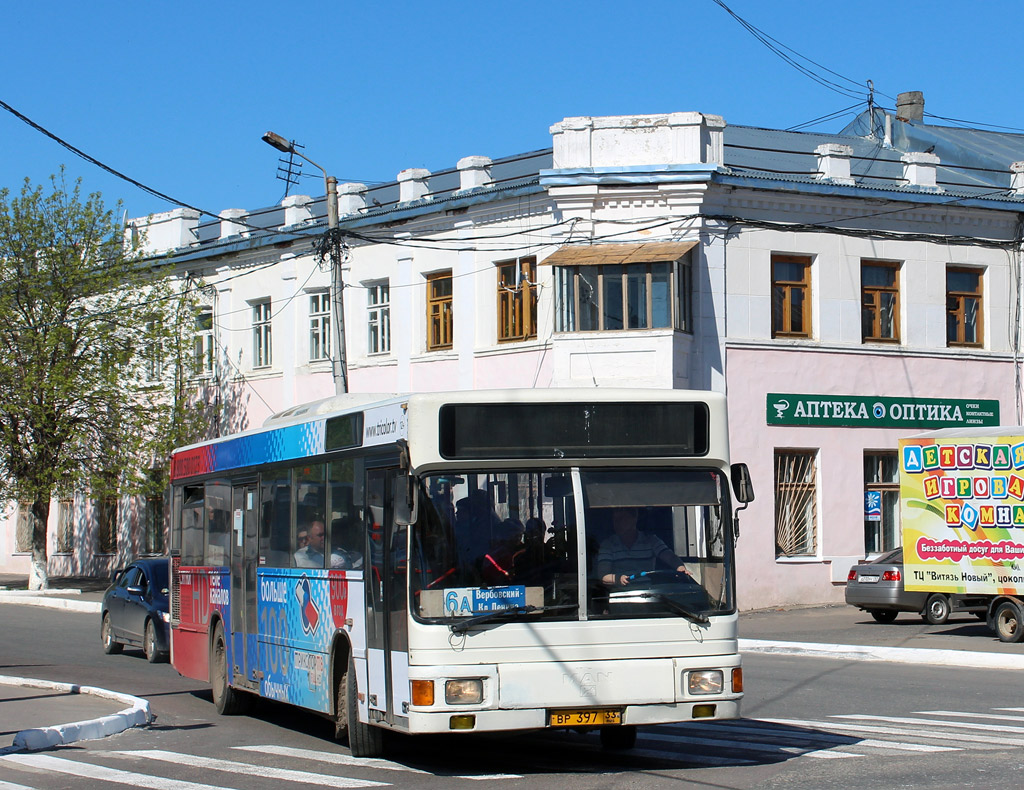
464 562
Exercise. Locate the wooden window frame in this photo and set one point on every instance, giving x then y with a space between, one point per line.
517 299
378 316
440 322
955 308
262 334
788 287
875 292
203 343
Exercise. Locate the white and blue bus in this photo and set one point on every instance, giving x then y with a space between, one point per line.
471 561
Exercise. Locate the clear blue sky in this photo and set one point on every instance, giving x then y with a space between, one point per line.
177 94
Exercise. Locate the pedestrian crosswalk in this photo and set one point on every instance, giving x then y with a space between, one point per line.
699 744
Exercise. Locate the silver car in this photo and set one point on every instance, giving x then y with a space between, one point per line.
877 588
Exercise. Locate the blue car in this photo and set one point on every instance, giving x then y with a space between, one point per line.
136 610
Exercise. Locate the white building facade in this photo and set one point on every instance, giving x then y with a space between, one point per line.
843 291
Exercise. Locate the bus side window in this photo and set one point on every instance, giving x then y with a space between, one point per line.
276 518
346 527
193 528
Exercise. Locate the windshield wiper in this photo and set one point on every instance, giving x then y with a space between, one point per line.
511 612
676 607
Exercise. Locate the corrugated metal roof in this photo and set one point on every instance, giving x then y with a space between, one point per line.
619 253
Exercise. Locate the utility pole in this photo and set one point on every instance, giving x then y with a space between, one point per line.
330 246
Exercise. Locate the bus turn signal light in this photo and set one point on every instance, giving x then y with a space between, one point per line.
737 680
422 692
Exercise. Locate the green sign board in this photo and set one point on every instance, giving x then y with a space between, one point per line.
859 411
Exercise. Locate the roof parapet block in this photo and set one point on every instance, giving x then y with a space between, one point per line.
834 163
474 172
919 170
1017 179
351 198
228 225
168 230
412 184
297 209
629 140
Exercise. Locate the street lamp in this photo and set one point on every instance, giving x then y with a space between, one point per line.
338 362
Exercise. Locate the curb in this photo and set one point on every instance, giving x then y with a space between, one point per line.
135 715
50 600
892 655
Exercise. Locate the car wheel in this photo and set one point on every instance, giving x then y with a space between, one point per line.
1008 622
883 615
936 610
618 738
149 645
227 700
110 645
364 740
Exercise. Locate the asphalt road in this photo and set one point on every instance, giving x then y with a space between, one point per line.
808 723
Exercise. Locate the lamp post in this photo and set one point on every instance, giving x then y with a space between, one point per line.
338 361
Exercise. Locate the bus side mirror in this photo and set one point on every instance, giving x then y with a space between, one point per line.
742 486
405 500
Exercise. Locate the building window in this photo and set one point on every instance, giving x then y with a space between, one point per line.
65 526
880 301
106 515
262 346
963 307
154 352
517 300
439 311
796 503
624 296
791 296
154 524
881 502
23 530
319 326
203 351
378 318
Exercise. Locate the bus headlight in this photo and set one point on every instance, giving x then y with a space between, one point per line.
705 681
464 692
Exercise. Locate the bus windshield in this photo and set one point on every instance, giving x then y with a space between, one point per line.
655 543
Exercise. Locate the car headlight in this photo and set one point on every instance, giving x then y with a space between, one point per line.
704 681
464 692
165 616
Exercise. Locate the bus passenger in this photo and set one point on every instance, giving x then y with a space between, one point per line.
312 554
630 551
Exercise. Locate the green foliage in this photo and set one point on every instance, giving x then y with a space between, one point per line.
95 351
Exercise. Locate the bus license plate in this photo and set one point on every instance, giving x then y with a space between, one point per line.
583 718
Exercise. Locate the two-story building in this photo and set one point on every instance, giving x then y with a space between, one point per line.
844 290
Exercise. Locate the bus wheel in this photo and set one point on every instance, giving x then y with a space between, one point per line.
1007 621
110 645
364 740
618 738
227 700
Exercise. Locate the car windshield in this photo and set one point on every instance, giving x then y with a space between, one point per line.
652 542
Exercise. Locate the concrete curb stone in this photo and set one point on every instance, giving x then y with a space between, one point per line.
136 714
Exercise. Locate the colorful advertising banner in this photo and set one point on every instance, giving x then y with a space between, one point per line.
962 513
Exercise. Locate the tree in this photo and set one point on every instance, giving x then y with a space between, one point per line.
94 357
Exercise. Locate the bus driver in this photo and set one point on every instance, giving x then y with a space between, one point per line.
630 551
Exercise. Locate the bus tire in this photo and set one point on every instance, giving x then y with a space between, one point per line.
227 700
618 738
364 740
110 645
1007 621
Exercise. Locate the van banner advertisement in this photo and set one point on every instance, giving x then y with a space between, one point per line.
962 513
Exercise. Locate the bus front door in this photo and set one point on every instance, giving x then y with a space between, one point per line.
387 649
244 547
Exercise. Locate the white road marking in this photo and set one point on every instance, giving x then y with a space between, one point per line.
745 745
247 769
89 771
